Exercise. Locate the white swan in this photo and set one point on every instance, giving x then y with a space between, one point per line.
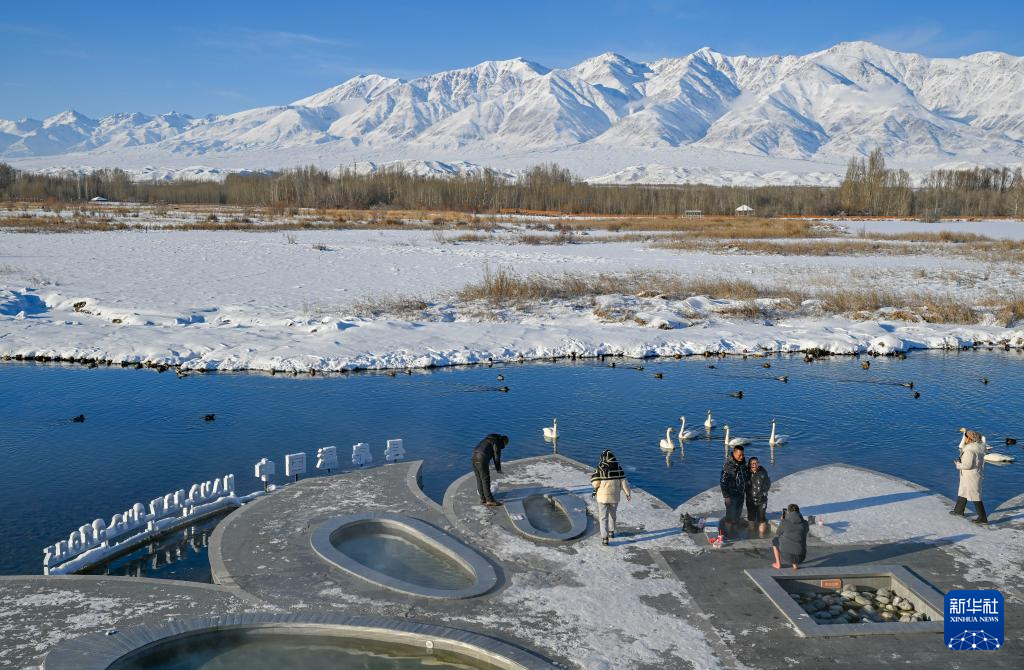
666 443
735 441
686 434
710 423
963 440
774 440
996 457
984 443
551 432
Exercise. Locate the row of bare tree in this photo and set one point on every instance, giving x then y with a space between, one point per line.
869 188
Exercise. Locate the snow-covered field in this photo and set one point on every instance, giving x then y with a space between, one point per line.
346 299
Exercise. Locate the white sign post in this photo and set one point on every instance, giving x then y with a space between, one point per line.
264 471
327 458
294 465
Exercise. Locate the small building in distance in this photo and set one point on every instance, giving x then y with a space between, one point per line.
99 198
745 210
694 214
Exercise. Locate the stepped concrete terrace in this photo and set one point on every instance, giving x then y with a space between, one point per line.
656 598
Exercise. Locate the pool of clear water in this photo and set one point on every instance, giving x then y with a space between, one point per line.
144 433
395 554
545 515
269 650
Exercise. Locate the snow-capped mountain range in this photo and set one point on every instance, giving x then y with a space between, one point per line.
692 118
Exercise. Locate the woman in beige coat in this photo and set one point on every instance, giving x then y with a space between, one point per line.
971 465
609 481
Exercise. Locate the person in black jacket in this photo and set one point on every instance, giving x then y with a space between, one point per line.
488 450
790 542
734 481
757 496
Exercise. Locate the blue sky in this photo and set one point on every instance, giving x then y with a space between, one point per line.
214 57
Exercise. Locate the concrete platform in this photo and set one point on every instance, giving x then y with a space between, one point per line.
36 613
580 604
655 598
869 518
857 506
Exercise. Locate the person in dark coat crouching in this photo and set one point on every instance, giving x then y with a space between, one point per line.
790 543
757 496
488 450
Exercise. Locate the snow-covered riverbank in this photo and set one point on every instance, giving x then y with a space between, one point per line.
270 301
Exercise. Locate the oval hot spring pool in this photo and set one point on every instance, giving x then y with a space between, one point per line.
405 554
269 649
311 641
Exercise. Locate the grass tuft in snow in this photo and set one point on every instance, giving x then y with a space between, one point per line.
503 285
390 305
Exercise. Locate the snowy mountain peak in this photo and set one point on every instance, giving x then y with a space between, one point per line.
823 106
489 68
68 117
365 86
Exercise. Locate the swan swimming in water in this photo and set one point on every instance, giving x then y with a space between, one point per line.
551 432
996 457
775 440
709 423
666 442
735 441
686 434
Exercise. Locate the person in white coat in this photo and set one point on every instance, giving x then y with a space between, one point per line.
971 465
608 481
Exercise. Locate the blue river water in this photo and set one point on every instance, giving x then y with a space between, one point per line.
145 433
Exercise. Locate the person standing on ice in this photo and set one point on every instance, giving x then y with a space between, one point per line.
757 496
488 450
734 482
609 481
971 465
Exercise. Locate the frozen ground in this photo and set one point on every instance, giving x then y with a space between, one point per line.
299 301
863 507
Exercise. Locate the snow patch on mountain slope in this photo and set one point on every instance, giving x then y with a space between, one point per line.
600 117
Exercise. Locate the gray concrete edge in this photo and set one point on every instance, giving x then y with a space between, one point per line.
172 583
98 651
766 581
414 480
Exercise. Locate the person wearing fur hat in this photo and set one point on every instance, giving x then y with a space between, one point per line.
609 481
971 465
